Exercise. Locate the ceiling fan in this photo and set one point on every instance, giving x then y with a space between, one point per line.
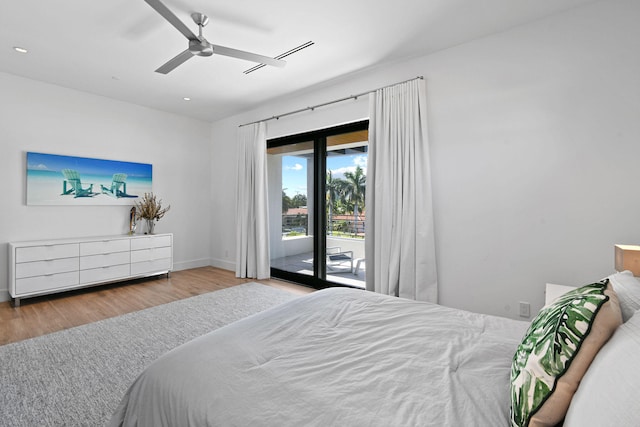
198 45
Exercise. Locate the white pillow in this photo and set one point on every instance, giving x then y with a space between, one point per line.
608 393
628 289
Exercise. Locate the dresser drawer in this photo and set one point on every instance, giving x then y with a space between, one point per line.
46 252
154 266
104 247
104 274
150 254
104 260
43 268
150 242
49 282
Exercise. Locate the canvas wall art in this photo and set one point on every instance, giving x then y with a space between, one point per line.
66 180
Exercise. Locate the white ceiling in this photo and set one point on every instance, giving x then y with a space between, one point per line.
112 47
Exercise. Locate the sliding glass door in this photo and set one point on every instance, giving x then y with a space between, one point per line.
317 183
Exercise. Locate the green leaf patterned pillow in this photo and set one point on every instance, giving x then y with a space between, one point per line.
556 351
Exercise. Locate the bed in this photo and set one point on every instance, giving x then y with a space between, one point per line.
335 357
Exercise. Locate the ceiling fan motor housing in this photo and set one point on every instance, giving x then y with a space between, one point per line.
200 47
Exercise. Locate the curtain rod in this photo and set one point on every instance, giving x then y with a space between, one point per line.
327 103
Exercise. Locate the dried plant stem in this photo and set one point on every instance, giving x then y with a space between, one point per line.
150 207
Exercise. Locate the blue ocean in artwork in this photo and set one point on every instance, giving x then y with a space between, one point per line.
47 185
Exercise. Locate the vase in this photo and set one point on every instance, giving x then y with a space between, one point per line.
150 225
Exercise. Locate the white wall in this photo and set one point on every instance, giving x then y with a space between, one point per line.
50 119
534 137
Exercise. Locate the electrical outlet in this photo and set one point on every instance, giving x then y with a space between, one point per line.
525 309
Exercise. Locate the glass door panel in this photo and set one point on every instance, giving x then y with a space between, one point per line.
346 174
291 191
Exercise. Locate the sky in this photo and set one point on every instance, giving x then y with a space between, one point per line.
294 170
84 165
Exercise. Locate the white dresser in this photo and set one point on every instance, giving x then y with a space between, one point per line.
49 266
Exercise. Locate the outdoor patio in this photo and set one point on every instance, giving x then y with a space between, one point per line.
337 272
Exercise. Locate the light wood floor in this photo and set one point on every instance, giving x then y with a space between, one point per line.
46 314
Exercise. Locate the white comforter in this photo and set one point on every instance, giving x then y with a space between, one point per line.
337 357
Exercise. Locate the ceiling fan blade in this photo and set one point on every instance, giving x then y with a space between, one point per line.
254 57
173 19
173 63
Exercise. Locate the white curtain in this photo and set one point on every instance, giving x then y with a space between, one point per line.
400 245
252 227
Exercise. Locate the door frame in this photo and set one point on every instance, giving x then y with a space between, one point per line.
319 138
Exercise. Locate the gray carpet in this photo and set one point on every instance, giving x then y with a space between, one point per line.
76 377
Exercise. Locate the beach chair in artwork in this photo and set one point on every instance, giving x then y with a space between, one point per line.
72 178
118 186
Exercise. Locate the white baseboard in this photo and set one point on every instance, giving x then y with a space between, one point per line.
224 264
205 262
186 265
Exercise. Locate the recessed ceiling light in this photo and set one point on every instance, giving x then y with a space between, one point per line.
186 98
20 49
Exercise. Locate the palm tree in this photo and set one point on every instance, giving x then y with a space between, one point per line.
286 201
333 192
355 191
